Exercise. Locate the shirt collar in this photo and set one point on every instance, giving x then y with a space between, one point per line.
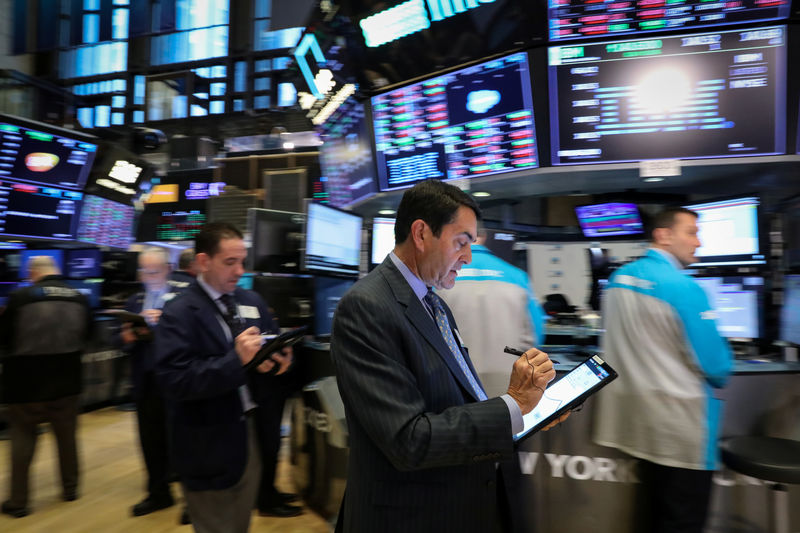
671 258
417 285
211 291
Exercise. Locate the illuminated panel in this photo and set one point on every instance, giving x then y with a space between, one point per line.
581 19
179 225
472 122
44 158
684 97
106 223
41 212
345 156
163 193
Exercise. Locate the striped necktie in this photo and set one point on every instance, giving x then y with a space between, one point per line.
440 316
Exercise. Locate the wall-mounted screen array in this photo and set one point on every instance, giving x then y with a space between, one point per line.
609 220
581 19
43 157
790 312
106 223
728 232
472 122
345 156
695 96
738 303
333 240
39 212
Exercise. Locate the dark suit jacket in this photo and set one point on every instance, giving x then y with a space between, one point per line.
200 375
422 448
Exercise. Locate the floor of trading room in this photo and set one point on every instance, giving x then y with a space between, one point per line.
112 477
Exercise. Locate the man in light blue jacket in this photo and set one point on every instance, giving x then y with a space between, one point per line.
662 338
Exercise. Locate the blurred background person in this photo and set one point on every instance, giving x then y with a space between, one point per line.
186 272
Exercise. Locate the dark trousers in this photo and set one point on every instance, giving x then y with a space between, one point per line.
268 422
23 418
675 500
152 416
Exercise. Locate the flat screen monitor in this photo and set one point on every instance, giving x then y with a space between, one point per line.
26 255
613 219
583 19
471 122
83 263
719 94
277 237
38 211
790 312
738 302
345 157
288 296
333 240
327 293
91 288
728 232
44 155
382 239
106 222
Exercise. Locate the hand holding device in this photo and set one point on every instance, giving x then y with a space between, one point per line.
247 344
529 377
273 349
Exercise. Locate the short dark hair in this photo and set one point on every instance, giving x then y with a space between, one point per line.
186 258
211 234
666 218
434 202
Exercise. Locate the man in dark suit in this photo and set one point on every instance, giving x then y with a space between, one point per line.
205 337
424 439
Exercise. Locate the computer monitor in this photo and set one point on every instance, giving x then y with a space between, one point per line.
84 263
333 240
277 237
790 312
728 232
613 219
38 211
327 293
289 297
738 302
26 255
106 222
382 239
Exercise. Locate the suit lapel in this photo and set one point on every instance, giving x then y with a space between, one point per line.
208 316
422 321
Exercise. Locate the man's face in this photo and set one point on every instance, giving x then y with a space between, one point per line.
223 269
681 240
443 256
153 271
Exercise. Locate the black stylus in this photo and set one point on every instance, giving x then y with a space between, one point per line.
514 351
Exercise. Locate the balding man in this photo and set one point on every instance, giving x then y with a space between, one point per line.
43 332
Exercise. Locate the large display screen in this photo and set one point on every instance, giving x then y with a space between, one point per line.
333 239
695 96
582 19
106 223
345 157
737 301
40 157
790 312
472 122
609 220
37 211
728 232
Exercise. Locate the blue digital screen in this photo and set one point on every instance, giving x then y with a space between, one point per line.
26 255
28 210
728 232
684 97
609 220
327 293
472 122
82 264
737 301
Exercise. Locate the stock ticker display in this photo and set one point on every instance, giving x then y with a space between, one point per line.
106 223
38 157
40 212
346 155
695 96
179 225
468 123
582 19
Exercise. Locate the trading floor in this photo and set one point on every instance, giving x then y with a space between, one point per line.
111 481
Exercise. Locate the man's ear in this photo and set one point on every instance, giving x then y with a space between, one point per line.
662 236
201 260
419 234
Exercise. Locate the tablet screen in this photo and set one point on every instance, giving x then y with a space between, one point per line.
568 392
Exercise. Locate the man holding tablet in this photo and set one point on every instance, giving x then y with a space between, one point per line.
424 438
662 338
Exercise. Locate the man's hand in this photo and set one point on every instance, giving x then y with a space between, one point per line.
247 344
127 334
151 316
282 358
529 377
